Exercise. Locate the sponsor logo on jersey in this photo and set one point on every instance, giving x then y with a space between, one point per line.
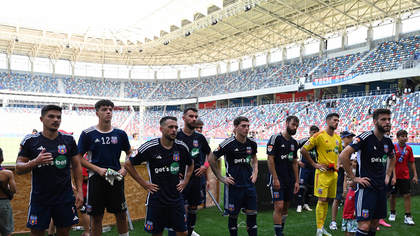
248 150
195 152
62 149
382 159
365 213
114 139
290 156
175 157
60 162
195 143
270 148
174 168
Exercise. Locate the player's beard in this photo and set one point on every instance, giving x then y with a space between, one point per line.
381 129
291 132
191 126
332 127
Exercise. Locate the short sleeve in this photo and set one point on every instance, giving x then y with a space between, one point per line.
188 158
220 151
205 148
295 156
357 143
83 143
391 150
24 149
311 143
136 158
340 145
254 148
271 145
410 154
73 147
125 143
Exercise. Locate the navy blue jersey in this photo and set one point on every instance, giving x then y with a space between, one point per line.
312 153
238 157
198 146
373 156
104 149
51 183
163 166
284 152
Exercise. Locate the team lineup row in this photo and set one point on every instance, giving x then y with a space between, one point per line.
176 163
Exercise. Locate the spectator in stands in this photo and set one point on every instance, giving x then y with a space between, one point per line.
7 190
401 177
34 131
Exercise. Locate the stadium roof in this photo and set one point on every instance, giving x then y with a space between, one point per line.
208 31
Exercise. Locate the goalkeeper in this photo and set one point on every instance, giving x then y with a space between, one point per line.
103 144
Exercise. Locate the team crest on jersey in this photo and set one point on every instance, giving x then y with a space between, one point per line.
269 148
365 213
176 156
386 148
33 220
114 140
149 225
62 149
336 142
195 143
320 191
231 207
292 147
248 150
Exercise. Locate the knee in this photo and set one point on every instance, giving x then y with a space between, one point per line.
364 225
121 216
192 209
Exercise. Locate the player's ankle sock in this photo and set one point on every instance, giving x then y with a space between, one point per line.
251 223
233 225
125 234
321 213
278 229
360 232
191 218
393 212
408 214
283 220
300 196
171 232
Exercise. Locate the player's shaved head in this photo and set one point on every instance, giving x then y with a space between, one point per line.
165 118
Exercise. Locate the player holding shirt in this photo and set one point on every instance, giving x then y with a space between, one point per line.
328 145
241 174
48 155
165 157
103 144
283 167
374 151
199 149
401 179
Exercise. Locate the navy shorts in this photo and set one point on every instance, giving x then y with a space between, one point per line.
285 193
103 195
160 217
193 194
63 215
306 177
340 181
370 204
236 198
